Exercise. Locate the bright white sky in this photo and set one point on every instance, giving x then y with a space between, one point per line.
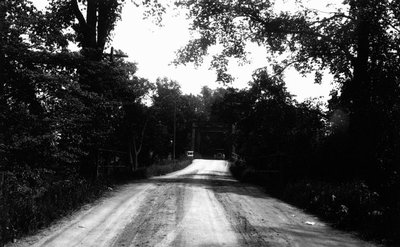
153 48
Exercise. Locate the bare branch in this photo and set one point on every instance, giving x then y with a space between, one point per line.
337 15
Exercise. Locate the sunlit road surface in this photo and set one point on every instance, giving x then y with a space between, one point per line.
201 205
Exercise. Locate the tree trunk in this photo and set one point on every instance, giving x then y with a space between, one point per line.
360 83
3 29
90 29
136 151
91 20
130 156
359 92
138 147
136 161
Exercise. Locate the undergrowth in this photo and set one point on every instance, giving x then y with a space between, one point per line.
161 168
349 205
30 199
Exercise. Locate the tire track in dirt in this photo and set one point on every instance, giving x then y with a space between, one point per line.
265 221
100 234
93 223
204 223
237 214
157 212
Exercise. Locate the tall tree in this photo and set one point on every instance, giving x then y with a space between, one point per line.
344 40
92 20
50 114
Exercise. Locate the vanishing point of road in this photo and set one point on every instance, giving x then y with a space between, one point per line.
201 205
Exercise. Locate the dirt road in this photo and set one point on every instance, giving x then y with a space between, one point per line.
198 206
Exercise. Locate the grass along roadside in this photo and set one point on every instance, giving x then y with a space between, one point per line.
31 199
161 168
347 205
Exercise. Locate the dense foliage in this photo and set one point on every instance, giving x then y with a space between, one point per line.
357 43
60 107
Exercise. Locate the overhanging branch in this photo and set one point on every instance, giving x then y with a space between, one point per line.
78 14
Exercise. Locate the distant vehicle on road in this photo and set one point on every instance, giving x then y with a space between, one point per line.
189 153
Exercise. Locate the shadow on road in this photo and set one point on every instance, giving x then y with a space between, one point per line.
218 182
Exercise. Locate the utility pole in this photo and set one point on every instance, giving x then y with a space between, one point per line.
174 130
112 55
3 30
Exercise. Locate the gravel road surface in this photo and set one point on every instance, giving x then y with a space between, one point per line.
201 205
